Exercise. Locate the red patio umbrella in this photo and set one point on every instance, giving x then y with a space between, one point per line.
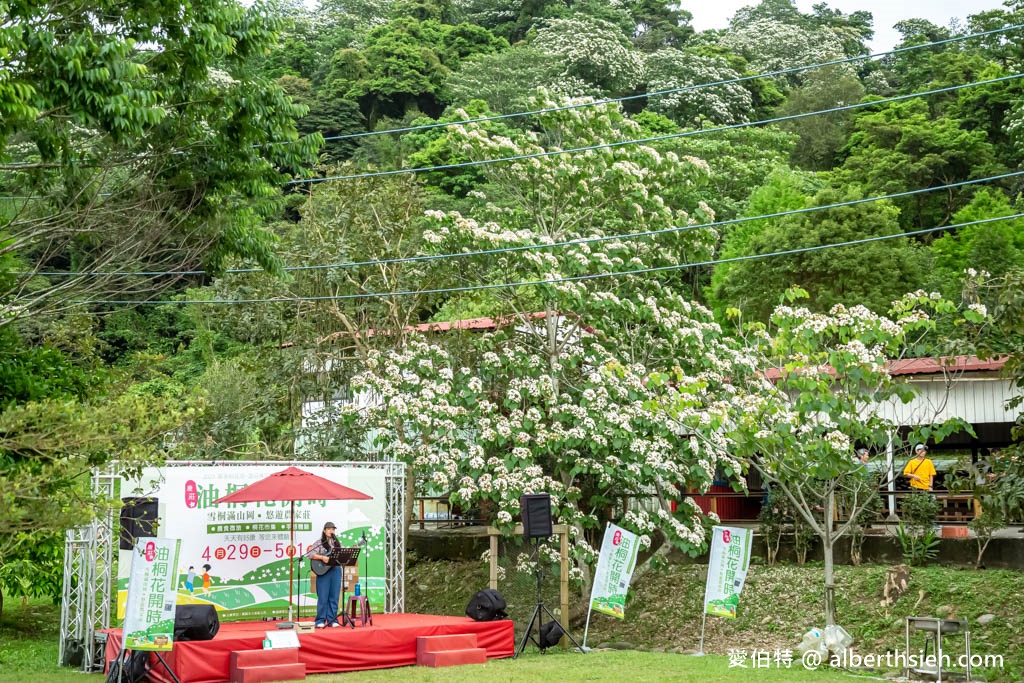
292 484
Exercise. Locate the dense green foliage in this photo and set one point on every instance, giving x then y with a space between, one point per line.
150 134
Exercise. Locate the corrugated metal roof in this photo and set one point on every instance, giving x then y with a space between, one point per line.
468 324
930 366
934 366
902 367
474 323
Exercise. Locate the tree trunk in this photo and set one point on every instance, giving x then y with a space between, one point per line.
578 611
410 501
830 586
981 550
828 547
856 545
551 327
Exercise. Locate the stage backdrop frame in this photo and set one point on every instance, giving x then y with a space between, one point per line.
90 565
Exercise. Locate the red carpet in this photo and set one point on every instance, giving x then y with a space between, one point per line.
390 642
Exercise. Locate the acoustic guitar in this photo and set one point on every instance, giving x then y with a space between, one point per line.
320 567
340 556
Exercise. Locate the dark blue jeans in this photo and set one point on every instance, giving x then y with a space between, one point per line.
328 590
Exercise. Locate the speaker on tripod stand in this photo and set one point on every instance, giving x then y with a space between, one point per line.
140 518
536 511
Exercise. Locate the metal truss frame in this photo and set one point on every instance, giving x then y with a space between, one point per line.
75 607
394 555
90 563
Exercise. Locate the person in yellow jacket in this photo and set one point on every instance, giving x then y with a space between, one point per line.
920 469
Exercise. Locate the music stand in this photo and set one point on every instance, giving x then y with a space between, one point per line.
345 557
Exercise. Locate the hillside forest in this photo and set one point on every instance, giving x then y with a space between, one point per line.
213 214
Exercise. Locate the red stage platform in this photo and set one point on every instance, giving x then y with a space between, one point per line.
390 642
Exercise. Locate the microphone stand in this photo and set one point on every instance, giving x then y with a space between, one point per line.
366 565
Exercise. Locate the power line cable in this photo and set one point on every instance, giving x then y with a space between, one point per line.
655 138
670 91
552 281
532 247
626 98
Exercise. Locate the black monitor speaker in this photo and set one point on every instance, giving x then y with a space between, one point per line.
138 520
536 509
195 622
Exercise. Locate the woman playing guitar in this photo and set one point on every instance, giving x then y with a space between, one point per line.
328 585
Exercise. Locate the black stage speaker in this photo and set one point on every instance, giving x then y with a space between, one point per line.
138 520
486 605
536 508
550 634
131 669
195 622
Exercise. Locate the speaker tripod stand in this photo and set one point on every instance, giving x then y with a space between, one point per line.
538 614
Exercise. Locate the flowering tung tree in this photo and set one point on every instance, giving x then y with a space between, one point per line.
561 399
770 45
668 69
824 376
584 429
593 50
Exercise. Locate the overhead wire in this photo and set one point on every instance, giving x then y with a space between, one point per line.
551 281
670 91
593 148
627 98
653 138
535 247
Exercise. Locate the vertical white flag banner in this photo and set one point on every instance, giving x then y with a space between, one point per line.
152 595
727 569
614 571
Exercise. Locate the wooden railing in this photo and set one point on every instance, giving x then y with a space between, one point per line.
440 520
955 508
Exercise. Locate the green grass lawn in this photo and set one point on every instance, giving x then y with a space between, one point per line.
28 644
777 606
35 662
611 666
663 617
780 603
28 654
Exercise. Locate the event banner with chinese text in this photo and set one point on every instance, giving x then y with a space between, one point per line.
236 556
150 604
614 571
727 569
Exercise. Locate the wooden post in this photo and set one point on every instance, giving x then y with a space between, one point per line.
890 476
562 530
421 515
494 557
563 585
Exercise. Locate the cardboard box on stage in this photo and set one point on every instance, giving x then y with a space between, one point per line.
350 577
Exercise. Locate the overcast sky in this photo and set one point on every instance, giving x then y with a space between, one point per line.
716 13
